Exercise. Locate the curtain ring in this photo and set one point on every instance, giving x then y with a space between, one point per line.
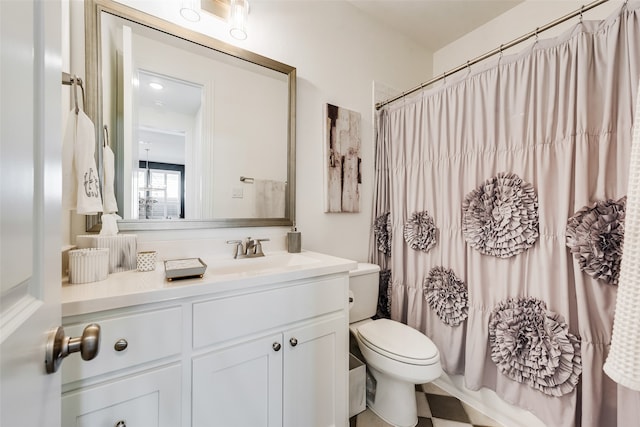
537 28
423 89
581 10
444 77
468 67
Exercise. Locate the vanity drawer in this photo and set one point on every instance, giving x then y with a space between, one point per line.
226 318
147 336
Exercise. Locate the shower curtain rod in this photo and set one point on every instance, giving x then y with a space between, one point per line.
500 49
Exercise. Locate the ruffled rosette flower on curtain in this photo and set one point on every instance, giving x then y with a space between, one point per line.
595 235
420 231
447 295
533 346
500 217
382 232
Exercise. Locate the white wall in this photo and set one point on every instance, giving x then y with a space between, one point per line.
338 53
520 20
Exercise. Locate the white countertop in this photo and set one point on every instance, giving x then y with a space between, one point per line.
132 287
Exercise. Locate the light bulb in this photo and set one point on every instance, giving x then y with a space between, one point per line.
238 17
190 10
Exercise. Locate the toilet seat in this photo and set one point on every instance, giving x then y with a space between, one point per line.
399 342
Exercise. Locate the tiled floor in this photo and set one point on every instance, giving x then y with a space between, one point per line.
436 408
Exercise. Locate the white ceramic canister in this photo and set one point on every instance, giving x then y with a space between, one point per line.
88 265
146 261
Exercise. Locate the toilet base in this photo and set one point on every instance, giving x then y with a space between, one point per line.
394 400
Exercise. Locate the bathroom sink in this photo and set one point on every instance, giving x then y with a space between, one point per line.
270 263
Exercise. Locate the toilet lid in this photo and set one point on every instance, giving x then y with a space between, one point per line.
398 341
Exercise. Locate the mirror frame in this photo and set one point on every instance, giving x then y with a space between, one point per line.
93 108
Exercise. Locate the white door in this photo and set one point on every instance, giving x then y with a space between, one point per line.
30 181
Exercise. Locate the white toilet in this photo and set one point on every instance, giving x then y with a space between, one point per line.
397 356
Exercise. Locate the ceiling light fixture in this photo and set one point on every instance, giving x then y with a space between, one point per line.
190 10
238 17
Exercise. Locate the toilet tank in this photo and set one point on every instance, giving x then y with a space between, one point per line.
363 288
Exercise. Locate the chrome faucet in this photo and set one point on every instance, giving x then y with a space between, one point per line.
250 248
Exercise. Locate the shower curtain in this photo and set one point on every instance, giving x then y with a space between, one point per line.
538 142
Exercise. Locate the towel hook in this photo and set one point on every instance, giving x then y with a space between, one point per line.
106 137
74 82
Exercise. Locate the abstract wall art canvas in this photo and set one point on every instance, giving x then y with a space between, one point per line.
342 144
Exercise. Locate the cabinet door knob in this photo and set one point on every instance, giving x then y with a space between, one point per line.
293 342
276 346
121 423
121 345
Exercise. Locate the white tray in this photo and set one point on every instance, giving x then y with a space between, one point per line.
183 268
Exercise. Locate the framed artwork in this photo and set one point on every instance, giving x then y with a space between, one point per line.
342 174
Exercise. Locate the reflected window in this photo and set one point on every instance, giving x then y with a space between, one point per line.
161 191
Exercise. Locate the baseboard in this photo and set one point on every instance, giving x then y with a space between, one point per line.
487 402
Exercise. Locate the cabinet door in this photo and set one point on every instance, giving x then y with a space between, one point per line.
151 399
316 375
239 386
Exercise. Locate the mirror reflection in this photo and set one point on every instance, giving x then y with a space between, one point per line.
199 134
167 111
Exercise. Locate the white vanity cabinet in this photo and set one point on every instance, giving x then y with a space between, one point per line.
294 378
136 378
239 386
150 399
314 384
256 351
273 358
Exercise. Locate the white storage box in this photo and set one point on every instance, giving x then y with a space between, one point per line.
357 386
122 249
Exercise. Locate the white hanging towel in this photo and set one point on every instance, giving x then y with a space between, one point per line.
80 182
269 198
110 203
623 362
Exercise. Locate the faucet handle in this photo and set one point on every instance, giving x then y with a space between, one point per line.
238 244
258 248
